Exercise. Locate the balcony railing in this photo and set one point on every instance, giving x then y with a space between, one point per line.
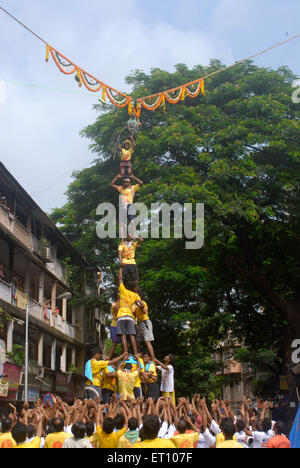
37 311
5 291
28 240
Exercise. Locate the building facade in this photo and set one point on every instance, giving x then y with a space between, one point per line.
35 259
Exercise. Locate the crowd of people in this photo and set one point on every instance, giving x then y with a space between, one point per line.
141 423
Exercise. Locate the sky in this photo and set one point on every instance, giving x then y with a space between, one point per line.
39 137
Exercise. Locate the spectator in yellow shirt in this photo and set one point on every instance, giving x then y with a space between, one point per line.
185 438
105 427
6 439
151 427
19 433
228 429
57 438
131 436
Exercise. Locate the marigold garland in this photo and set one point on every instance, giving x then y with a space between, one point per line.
119 99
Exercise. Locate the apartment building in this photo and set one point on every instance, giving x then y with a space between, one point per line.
34 274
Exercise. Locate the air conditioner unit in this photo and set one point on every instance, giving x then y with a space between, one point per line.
47 254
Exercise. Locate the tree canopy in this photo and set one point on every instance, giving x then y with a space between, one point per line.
237 150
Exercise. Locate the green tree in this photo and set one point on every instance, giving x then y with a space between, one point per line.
237 151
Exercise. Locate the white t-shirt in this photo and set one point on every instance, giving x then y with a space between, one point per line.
214 427
71 442
241 438
260 439
167 379
206 440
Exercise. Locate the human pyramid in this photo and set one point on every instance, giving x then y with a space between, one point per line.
129 374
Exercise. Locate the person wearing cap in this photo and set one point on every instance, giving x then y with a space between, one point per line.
126 154
93 373
127 193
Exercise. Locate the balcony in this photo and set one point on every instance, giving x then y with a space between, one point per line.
29 241
37 312
5 292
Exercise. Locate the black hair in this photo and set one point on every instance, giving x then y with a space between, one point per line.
79 430
128 366
266 425
151 426
58 424
96 350
30 431
181 426
119 421
132 424
108 425
131 285
228 428
172 359
142 434
90 429
19 432
50 427
6 424
279 427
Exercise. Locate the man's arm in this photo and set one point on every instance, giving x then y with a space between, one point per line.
139 181
133 142
112 184
161 364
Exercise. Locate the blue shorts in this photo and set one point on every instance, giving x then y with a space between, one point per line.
113 335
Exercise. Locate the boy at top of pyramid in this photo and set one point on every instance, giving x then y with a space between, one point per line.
126 153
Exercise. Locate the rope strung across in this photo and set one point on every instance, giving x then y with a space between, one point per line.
122 100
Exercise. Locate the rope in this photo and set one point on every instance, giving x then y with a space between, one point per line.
186 84
23 25
226 68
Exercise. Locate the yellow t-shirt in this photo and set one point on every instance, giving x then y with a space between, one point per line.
155 443
128 253
126 383
151 368
127 194
35 443
125 443
220 439
126 154
56 440
94 440
138 382
97 367
7 440
140 315
109 440
114 313
186 440
127 300
110 383
229 444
